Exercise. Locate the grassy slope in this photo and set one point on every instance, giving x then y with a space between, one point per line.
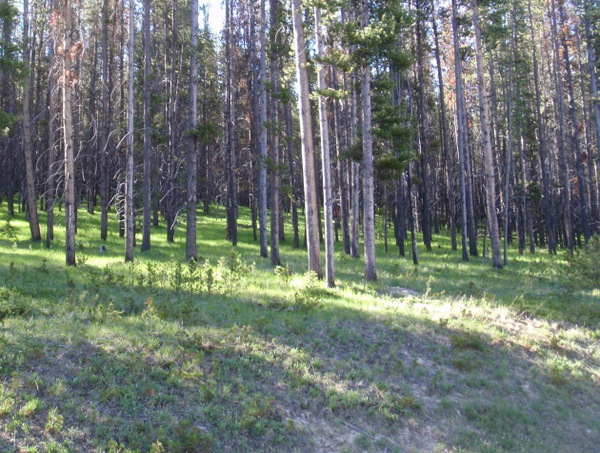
227 356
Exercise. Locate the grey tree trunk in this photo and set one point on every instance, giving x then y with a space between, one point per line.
490 177
547 198
342 169
52 143
575 139
147 183
354 178
274 119
192 160
368 182
262 149
290 157
68 79
562 145
308 151
320 33
423 141
32 213
129 207
104 124
231 131
461 133
450 195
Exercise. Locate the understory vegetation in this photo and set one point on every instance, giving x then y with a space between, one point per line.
231 354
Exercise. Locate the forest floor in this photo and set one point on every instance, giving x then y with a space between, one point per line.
228 354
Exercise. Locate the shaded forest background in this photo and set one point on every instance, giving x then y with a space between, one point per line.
476 119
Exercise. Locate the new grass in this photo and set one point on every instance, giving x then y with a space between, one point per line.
230 354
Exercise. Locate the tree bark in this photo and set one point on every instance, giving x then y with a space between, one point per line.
308 151
68 79
32 213
368 183
147 183
129 207
461 133
262 157
192 160
490 177
320 33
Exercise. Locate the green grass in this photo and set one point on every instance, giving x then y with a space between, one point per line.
230 354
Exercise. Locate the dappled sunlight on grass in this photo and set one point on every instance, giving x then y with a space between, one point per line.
231 354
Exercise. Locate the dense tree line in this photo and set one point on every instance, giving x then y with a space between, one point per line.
475 117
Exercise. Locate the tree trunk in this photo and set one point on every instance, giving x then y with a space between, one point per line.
563 155
490 177
129 165
422 136
290 155
576 142
547 197
192 176
69 78
308 151
320 34
232 201
262 157
147 182
52 144
461 133
450 195
274 120
368 183
32 213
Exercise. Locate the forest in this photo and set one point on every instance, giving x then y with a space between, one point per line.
349 225
478 120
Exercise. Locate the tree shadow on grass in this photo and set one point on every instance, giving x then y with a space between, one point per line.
240 373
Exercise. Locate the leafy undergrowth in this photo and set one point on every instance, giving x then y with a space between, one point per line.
229 354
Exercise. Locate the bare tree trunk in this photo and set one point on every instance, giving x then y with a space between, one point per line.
129 208
576 142
547 199
308 150
450 195
274 119
32 213
290 153
192 176
563 156
231 133
461 133
490 177
262 158
320 34
52 143
422 137
368 183
104 125
68 80
147 183
342 170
